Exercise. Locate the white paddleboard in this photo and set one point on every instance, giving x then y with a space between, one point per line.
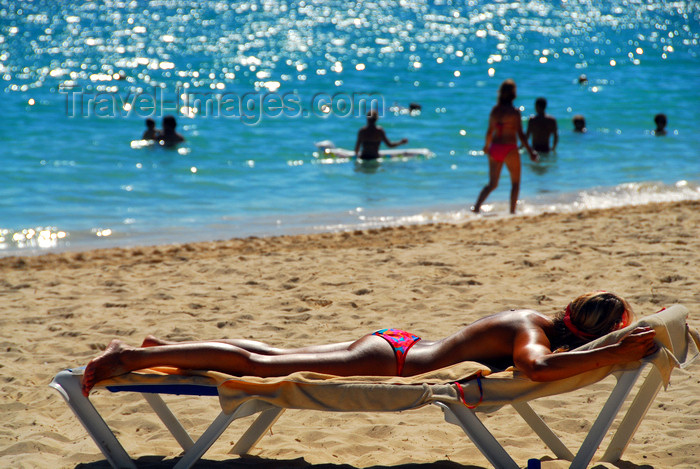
328 150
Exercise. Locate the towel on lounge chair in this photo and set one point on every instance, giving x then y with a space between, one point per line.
306 390
316 391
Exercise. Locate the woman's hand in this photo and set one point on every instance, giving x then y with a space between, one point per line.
636 345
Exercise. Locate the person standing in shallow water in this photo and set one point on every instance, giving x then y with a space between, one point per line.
540 347
543 128
370 137
504 130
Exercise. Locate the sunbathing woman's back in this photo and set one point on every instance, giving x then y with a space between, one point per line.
490 341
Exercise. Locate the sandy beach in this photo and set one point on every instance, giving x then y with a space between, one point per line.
59 310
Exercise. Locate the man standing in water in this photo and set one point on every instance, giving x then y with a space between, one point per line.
371 136
541 127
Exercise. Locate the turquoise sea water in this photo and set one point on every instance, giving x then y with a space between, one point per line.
256 84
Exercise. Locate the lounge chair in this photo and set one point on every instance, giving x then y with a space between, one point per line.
461 391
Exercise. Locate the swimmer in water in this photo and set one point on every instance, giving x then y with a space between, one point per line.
169 137
660 121
151 133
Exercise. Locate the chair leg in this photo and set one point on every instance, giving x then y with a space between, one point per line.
169 420
543 431
204 442
217 427
479 434
256 431
605 418
67 383
638 409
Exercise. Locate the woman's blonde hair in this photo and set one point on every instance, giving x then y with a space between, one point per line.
598 313
592 315
506 92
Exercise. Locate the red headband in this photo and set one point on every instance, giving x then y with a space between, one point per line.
573 329
626 320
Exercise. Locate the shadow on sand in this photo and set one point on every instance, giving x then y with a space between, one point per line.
254 462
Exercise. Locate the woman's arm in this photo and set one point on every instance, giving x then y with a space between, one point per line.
489 132
523 138
538 363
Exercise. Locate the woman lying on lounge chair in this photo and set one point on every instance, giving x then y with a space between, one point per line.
537 345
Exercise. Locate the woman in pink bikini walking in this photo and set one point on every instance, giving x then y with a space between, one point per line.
505 128
531 341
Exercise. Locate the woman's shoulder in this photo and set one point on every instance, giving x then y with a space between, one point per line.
521 316
513 111
530 318
498 109
502 110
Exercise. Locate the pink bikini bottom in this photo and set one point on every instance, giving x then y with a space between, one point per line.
499 151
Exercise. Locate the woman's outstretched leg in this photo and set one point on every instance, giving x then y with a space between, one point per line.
255 346
249 345
119 358
368 355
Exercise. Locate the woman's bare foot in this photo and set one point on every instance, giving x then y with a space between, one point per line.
153 341
107 365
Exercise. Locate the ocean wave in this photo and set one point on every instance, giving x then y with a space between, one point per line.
628 194
38 240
